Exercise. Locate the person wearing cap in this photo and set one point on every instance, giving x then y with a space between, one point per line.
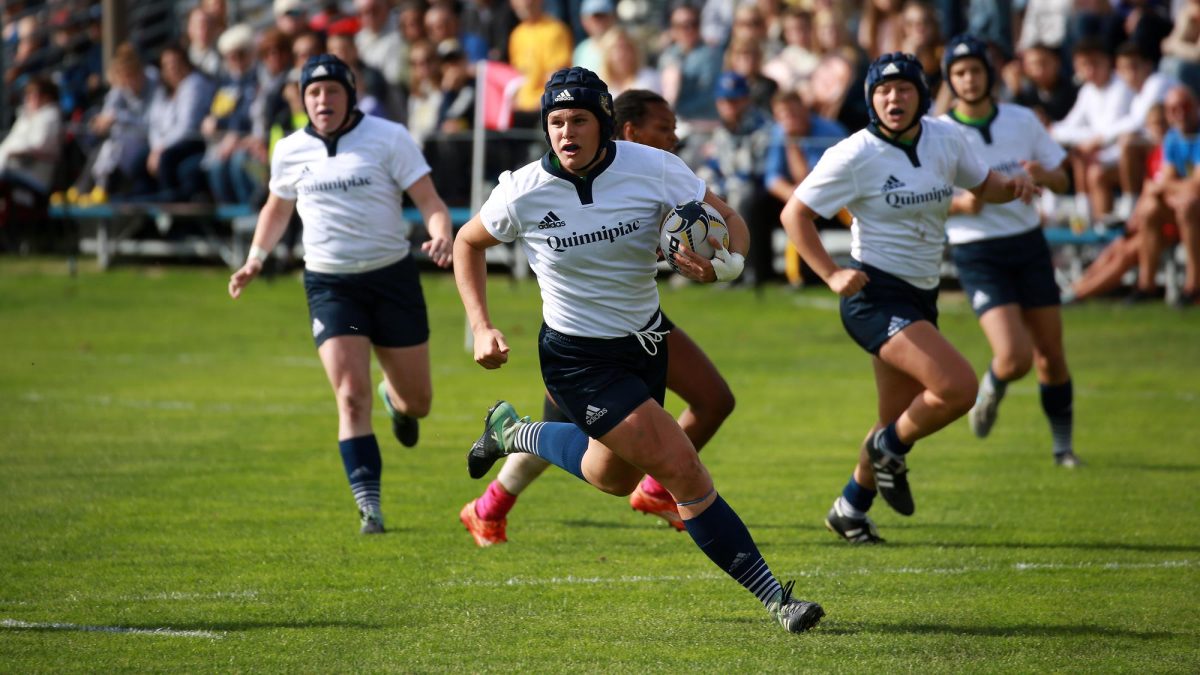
734 160
897 178
229 120
346 173
587 214
291 16
1002 258
597 17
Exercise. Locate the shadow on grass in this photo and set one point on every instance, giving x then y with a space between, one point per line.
1072 545
214 627
1033 630
1164 468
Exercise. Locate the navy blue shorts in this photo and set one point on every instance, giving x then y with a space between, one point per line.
597 382
884 307
1007 270
385 305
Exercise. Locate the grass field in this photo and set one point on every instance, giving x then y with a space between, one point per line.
171 499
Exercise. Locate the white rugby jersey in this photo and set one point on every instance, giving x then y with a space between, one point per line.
1013 135
899 196
349 193
592 242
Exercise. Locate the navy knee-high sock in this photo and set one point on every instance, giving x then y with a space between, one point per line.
720 533
858 496
1058 402
561 444
364 467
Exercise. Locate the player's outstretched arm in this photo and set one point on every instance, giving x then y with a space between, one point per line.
272 223
470 275
437 221
802 232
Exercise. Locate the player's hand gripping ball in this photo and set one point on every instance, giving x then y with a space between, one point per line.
689 226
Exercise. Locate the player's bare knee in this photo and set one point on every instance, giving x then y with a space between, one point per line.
353 404
1013 365
716 404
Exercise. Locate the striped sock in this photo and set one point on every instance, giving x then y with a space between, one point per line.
561 444
364 467
1058 402
725 540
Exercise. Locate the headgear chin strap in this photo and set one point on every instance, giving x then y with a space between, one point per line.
967 46
897 66
579 88
330 67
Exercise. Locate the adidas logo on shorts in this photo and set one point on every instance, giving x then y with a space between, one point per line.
594 413
550 221
896 325
318 327
980 299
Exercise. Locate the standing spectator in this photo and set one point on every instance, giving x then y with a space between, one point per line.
379 44
202 43
1045 22
424 91
798 58
30 152
1173 196
597 17
348 174
624 64
230 121
689 68
538 46
442 25
119 163
374 96
1103 99
921 36
1044 89
490 22
176 144
881 26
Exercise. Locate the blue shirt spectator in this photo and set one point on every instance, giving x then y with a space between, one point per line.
1181 152
796 127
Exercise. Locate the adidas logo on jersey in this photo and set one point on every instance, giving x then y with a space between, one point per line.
563 95
892 183
551 221
594 413
305 171
896 325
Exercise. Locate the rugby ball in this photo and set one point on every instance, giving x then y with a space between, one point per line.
689 226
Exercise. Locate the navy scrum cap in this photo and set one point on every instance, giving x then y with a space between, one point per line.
579 88
967 46
329 67
897 66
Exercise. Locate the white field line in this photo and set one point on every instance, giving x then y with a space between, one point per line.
926 571
166 632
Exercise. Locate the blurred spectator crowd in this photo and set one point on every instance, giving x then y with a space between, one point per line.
761 87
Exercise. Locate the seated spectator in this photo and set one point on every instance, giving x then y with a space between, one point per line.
27 59
177 108
201 39
624 66
443 27
798 58
1043 88
921 36
538 46
375 97
270 107
597 17
457 111
880 28
230 122
291 17
424 91
118 163
734 160
30 152
745 57
1149 88
1173 196
331 20
1044 22
798 139
490 22
1103 99
379 44
1181 48
689 68
839 72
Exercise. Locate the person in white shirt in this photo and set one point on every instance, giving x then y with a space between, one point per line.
587 216
644 117
346 174
999 250
30 152
896 177
1149 89
1103 99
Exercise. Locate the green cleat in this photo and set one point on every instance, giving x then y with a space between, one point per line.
491 446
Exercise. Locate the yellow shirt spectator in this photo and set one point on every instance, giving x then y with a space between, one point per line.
537 48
